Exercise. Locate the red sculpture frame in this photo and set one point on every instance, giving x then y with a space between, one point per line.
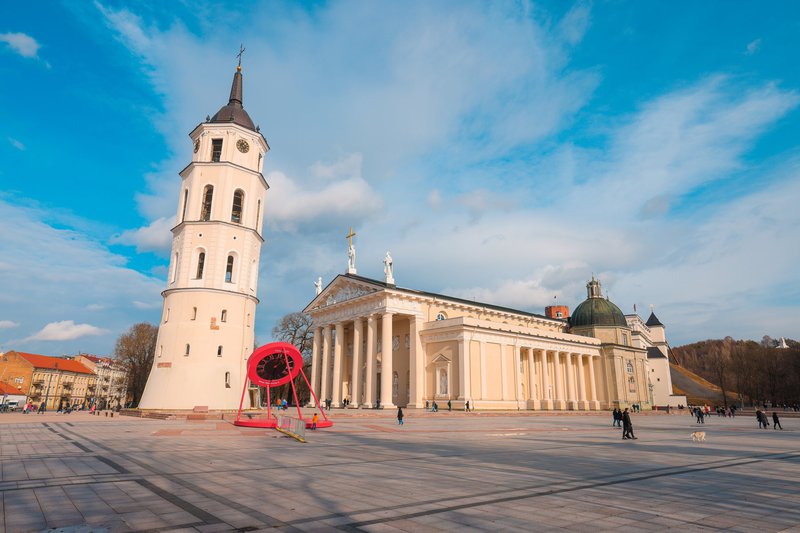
294 362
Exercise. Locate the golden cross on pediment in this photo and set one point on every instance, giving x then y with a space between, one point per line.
350 236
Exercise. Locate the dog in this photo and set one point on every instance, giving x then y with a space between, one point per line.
698 436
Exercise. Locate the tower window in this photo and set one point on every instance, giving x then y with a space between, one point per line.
174 275
227 380
224 316
236 211
201 261
258 214
187 351
216 150
185 203
208 196
166 316
229 270
194 313
219 351
630 367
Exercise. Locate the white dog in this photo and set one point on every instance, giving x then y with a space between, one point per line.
698 436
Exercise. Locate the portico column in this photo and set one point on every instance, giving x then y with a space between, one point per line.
503 372
570 370
324 389
338 356
369 391
416 364
532 389
482 352
464 383
593 403
547 401
386 361
582 404
355 387
560 402
315 361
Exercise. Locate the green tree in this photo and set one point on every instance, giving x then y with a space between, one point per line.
136 349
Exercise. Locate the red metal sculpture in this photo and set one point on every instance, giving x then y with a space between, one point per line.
272 365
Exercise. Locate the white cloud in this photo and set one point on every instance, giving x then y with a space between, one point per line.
753 47
155 237
147 305
21 43
8 324
16 144
65 330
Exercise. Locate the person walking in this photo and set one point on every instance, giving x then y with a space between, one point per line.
314 421
427 405
400 416
627 425
466 406
776 423
449 405
760 418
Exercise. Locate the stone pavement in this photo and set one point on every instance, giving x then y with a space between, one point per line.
440 472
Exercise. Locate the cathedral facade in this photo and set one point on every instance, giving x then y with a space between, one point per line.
379 345
206 331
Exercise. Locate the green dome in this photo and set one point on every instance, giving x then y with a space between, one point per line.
597 312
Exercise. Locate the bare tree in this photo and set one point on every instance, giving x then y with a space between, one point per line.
135 349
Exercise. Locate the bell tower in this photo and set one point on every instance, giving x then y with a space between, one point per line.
206 330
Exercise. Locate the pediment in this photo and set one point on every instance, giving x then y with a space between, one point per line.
440 359
342 289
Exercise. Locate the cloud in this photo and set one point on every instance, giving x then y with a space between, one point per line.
8 324
753 47
65 330
155 237
21 43
147 305
16 144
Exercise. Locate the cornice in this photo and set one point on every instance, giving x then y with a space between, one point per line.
216 222
167 292
224 163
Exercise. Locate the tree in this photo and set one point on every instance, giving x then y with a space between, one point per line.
136 349
295 328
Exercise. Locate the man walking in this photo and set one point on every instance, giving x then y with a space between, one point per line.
776 423
627 425
400 416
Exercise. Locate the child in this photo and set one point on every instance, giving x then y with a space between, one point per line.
314 421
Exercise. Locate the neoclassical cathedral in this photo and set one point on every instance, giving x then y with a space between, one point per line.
377 344
206 330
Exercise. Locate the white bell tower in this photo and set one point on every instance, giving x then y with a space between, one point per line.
206 330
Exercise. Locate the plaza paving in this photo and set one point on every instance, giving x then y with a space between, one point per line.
443 472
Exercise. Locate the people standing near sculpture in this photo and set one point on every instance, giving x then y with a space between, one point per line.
627 425
466 406
449 405
400 416
314 421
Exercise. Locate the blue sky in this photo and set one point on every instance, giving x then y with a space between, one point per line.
503 151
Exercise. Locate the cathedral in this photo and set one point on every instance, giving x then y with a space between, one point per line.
206 331
380 345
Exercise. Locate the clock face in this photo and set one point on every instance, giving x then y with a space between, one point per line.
242 145
196 146
274 364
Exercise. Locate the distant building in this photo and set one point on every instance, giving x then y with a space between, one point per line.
52 380
10 393
111 388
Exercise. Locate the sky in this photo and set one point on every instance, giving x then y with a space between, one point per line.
502 151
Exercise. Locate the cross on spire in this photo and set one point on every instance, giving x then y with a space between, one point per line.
239 55
350 236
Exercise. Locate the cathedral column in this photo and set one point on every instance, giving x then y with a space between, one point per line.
503 371
570 371
416 364
593 403
387 370
338 365
324 389
582 403
355 380
464 383
560 402
315 363
371 370
532 374
482 352
547 401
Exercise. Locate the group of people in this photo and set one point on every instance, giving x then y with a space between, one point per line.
763 421
622 418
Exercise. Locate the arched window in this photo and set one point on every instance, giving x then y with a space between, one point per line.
187 351
174 275
194 313
229 270
238 203
219 351
185 203
227 380
224 316
161 350
630 367
166 316
201 261
208 197
441 316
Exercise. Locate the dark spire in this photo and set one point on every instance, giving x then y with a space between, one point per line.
236 88
653 321
234 110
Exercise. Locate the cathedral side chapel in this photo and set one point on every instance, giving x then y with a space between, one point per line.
377 344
